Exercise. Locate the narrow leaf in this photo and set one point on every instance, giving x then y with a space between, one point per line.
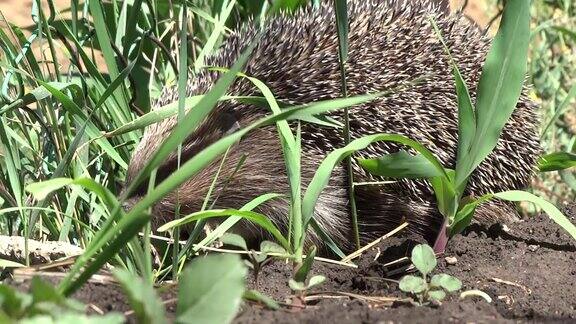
401 165
556 161
500 84
254 217
553 212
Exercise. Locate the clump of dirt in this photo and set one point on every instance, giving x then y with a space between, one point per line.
528 268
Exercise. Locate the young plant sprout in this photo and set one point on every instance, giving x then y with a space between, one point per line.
428 289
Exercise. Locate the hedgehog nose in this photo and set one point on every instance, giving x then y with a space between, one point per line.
128 204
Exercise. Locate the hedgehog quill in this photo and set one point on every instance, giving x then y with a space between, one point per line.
391 44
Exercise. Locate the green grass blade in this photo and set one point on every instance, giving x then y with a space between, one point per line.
500 84
341 10
232 220
556 161
199 161
219 28
254 217
401 165
551 210
92 131
466 116
109 56
561 109
342 28
465 213
171 109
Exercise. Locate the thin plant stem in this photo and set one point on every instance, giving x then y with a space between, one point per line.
182 80
346 135
442 238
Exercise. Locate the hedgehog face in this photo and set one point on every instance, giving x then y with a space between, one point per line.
238 181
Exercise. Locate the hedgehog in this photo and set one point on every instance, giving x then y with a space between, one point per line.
391 44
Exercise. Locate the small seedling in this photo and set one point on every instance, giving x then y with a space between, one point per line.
435 290
298 282
44 304
255 261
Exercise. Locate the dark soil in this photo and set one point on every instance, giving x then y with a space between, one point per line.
528 268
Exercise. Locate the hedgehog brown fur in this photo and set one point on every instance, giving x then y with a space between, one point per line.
391 45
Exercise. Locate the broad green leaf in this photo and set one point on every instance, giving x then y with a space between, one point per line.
551 210
43 292
412 284
234 240
423 258
556 161
296 285
271 247
144 301
446 196
437 295
211 289
500 85
316 280
13 302
446 281
401 165
75 318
